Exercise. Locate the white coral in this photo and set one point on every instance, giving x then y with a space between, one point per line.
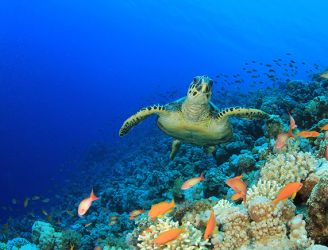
190 239
264 188
288 167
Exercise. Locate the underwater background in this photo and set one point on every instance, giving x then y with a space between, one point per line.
71 72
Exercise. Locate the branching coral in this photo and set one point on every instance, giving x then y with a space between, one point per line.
288 167
190 239
298 234
264 188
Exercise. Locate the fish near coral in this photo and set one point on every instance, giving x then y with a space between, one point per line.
160 209
289 191
308 134
282 139
192 182
136 213
210 227
167 236
239 187
86 204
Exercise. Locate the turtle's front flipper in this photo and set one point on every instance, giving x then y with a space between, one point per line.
175 147
140 116
246 113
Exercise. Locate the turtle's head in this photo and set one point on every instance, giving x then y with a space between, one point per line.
200 90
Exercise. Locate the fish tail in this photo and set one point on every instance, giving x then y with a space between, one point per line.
93 197
172 202
275 202
201 177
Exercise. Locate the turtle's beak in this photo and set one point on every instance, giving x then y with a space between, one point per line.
205 88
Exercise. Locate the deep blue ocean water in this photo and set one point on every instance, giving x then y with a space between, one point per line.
72 71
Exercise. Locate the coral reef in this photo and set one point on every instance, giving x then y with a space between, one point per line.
288 167
317 223
17 243
191 238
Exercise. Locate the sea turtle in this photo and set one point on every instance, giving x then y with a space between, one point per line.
194 119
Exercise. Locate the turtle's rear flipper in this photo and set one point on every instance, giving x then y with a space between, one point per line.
246 113
175 147
140 116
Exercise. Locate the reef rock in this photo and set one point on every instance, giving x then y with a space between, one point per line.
317 224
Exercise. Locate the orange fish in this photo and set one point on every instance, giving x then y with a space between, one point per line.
192 182
282 139
210 226
292 123
136 213
325 128
167 236
86 204
308 134
98 248
239 187
289 190
160 209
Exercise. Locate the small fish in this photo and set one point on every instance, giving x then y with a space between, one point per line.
98 248
14 201
86 204
88 224
35 198
324 128
46 200
192 182
308 134
239 187
44 212
136 213
160 209
282 139
167 236
26 202
210 226
289 191
268 65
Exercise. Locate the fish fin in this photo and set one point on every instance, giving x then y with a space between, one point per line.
173 203
293 196
93 197
201 177
237 196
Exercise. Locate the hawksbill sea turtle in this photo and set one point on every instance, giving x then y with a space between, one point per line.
194 119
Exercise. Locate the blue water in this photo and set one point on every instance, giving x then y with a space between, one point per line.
72 71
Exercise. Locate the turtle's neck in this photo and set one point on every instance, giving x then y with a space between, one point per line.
195 111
